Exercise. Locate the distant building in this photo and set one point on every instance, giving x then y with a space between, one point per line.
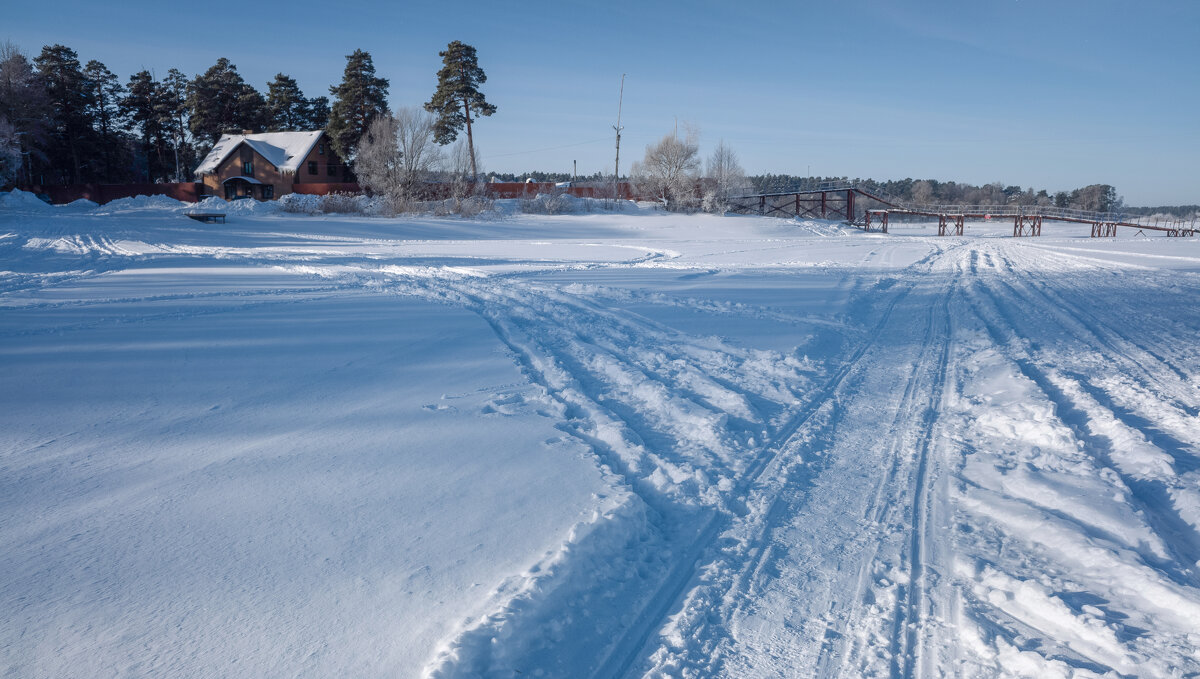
266 166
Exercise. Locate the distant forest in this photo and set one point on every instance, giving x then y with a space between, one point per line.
1096 197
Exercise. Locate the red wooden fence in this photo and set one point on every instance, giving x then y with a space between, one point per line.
104 193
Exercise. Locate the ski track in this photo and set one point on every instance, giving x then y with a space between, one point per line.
778 516
709 544
1081 412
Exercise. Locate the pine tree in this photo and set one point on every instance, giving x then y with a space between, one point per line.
287 109
361 97
316 113
142 104
220 101
104 98
66 88
458 95
173 109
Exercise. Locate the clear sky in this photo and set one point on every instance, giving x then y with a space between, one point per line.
1050 94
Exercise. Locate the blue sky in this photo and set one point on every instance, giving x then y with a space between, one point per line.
1049 94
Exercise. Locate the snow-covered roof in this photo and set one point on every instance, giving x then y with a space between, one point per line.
284 150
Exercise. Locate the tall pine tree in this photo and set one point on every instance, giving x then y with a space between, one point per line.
458 95
359 98
143 105
104 108
173 111
316 113
71 130
220 101
287 109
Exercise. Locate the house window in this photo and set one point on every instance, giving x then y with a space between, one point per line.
268 191
330 169
320 149
230 191
312 167
248 169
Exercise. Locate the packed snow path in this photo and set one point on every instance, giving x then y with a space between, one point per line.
696 447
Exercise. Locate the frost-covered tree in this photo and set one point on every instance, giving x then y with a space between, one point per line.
377 164
357 100
397 155
922 192
10 154
1097 198
25 106
670 170
725 178
457 96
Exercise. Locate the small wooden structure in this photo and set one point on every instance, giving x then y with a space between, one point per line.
207 217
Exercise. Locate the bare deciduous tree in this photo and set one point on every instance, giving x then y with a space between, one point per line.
670 171
10 154
419 154
397 156
725 178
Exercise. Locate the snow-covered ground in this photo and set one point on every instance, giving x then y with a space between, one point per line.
595 445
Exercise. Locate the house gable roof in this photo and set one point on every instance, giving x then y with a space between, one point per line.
284 150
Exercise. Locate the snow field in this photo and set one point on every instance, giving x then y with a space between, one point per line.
601 445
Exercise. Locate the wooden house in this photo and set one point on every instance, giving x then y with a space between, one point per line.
267 165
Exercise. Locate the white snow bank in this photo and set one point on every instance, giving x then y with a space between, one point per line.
247 206
157 202
23 201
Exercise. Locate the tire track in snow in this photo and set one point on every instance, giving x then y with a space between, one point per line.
1150 496
1134 355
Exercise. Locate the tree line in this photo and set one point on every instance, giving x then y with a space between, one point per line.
1095 197
63 121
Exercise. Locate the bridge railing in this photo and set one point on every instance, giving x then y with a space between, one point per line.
1044 211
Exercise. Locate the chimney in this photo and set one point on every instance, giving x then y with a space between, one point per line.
247 131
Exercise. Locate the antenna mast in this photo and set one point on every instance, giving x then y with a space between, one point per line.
618 128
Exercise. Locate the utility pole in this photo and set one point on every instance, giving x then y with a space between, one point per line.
574 171
617 127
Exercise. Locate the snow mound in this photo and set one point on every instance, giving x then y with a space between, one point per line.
23 201
236 207
142 203
81 205
334 203
300 203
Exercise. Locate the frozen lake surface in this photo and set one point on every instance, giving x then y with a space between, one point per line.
614 444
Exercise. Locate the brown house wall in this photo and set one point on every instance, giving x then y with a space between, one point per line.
264 172
323 156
